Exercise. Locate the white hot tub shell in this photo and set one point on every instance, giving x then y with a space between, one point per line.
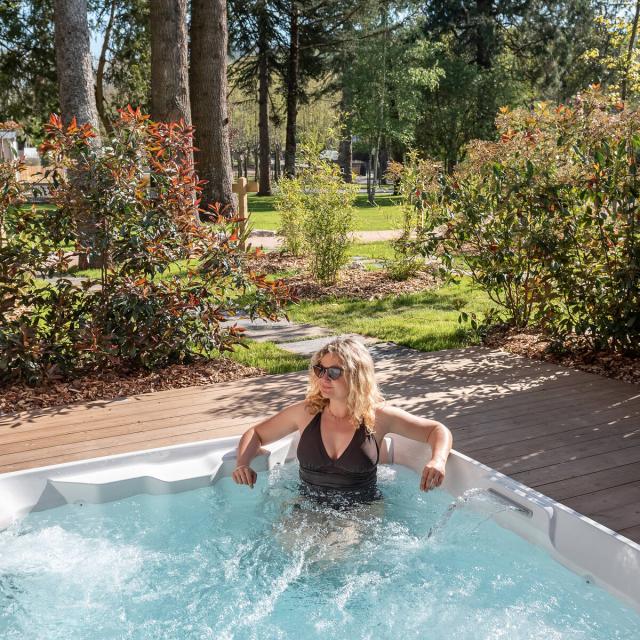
584 546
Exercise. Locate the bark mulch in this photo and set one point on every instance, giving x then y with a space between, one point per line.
111 384
574 354
355 281
359 284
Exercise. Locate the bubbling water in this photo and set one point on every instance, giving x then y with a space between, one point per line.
227 562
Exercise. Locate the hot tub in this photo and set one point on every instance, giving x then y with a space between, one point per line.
292 570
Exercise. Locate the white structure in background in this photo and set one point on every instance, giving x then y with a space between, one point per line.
8 145
30 156
329 154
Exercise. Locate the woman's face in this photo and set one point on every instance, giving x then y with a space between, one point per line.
333 389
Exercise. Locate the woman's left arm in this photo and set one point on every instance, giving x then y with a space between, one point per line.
394 420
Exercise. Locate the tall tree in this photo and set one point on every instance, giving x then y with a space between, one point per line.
208 83
292 91
77 98
629 57
102 61
73 63
169 61
264 80
257 42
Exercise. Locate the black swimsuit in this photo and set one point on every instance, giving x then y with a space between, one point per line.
353 472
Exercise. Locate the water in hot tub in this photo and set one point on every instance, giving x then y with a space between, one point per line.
229 562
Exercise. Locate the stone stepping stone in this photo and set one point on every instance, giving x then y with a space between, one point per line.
280 331
308 347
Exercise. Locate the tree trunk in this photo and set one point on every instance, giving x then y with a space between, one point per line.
208 82
263 102
383 164
369 161
246 163
256 160
276 164
345 147
345 156
100 101
292 94
77 96
484 33
632 43
169 61
239 165
374 181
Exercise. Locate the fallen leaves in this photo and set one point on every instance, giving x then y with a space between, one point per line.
575 354
111 384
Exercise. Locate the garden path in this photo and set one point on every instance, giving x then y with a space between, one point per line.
268 240
571 435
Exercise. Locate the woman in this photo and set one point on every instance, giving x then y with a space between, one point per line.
342 422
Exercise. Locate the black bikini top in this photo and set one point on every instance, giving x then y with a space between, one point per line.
354 469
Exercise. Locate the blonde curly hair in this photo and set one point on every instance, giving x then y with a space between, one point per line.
359 371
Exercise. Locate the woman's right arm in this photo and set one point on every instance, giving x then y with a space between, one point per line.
278 426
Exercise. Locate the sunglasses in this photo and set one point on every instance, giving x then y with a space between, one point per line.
333 373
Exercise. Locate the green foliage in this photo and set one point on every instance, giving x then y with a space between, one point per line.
388 76
137 313
128 69
28 78
290 204
419 183
317 212
547 222
462 106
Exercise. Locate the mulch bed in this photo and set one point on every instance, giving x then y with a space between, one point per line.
355 282
110 384
359 284
574 354
268 262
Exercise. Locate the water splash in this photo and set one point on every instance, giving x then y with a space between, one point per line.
475 496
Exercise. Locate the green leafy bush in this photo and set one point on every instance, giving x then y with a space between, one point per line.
138 197
419 183
547 221
290 203
318 207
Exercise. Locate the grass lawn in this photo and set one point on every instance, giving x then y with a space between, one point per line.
381 250
427 321
387 215
268 356
376 250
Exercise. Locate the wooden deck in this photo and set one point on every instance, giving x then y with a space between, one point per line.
571 435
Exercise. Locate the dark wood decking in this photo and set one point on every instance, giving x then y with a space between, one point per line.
571 435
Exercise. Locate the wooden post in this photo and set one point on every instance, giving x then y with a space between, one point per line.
242 187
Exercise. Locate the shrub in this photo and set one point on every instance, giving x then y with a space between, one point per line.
290 203
139 195
319 209
547 221
419 183
507 203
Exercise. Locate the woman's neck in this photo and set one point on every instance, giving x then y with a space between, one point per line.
338 410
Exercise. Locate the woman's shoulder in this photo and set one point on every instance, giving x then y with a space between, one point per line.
383 411
383 408
302 411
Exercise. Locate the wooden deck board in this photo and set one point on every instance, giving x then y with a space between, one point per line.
569 434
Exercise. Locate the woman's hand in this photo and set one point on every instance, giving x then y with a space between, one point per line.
244 474
432 474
